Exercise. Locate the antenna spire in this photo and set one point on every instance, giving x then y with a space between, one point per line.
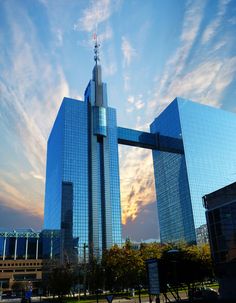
96 48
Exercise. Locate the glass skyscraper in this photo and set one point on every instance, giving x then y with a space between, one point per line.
208 163
82 177
82 197
193 154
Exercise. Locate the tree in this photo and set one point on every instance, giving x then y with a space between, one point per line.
186 264
122 267
60 281
178 264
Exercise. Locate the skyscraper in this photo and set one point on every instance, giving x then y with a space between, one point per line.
208 163
82 177
82 196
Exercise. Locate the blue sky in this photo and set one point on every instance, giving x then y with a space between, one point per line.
151 52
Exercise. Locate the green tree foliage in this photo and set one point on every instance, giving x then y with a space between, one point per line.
123 267
179 264
95 275
60 281
185 264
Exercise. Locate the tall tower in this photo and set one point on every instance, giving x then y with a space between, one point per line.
82 195
208 163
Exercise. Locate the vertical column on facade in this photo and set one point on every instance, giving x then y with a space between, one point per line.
37 248
15 252
4 247
26 247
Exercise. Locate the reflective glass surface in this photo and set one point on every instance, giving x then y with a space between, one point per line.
113 179
99 120
67 158
1 246
80 155
221 221
75 164
31 254
172 189
209 163
21 248
21 244
10 248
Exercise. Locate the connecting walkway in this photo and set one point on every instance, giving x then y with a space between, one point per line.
147 140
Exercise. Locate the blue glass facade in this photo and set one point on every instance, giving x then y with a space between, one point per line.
208 163
82 178
28 244
82 153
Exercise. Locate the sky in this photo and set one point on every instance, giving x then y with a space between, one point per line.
151 51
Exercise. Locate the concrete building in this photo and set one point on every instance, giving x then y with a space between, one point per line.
24 253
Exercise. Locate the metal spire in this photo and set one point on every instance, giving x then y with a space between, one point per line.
96 49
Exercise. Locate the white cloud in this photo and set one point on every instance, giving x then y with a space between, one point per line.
139 104
109 69
96 13
128 51
37 176
232 20
204 79
210 31
16 199
130 99
31 90
137 182
59 37
129 109
177 63
107 34
219 45
126 79
212 28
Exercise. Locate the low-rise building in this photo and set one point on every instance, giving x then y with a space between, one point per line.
221 221
24 254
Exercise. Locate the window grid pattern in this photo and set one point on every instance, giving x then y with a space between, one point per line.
75 164
205 132
52 205
172 188
208 134
114 178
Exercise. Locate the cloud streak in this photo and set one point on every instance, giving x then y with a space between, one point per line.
30 87
191 73
96 13
212 28
188 73
128 51
137 182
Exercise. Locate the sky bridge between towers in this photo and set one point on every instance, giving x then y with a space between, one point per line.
147 140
